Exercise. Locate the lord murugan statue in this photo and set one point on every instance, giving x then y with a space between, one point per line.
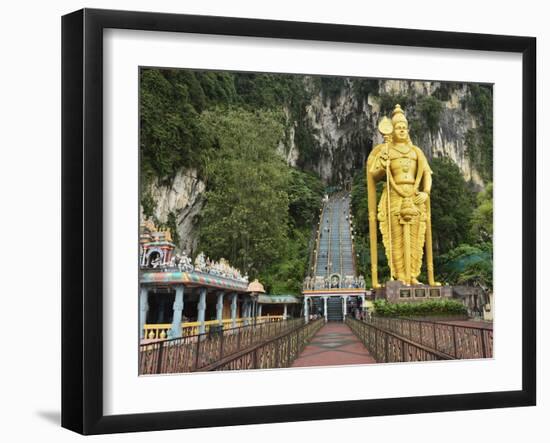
403 212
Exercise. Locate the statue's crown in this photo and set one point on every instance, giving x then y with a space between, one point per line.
398 115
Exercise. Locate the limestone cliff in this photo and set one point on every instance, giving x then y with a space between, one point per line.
333 135
344 126
176 203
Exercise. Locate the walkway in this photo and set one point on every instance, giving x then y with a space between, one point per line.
334 345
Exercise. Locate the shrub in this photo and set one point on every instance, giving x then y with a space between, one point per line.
426 308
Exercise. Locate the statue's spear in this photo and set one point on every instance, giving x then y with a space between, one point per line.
386 129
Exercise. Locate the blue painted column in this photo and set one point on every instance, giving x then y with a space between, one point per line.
143 309
234 310
306 309
219 307
259 310
201 310
325 309
285 312
175 331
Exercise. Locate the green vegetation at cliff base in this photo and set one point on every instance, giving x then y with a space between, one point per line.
427 308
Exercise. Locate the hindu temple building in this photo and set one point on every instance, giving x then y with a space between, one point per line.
179 297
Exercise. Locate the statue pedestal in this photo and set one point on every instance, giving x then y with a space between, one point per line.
397 292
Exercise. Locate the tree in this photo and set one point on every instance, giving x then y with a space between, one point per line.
467 265
479 274
482 216
246 212
304 194
452 205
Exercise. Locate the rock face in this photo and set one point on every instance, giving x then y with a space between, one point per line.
341 129
344 127
182 197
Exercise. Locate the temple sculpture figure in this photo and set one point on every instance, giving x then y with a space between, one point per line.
403 212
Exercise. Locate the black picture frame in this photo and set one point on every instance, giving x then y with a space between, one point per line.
82 215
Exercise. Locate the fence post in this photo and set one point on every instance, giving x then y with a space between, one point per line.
454 342
159 363
386 346
277 353
435 337
483 345
288 351
197 352
261 329
221 344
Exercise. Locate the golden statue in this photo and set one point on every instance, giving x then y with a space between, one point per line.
406 198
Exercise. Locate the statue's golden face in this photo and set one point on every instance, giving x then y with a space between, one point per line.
400 132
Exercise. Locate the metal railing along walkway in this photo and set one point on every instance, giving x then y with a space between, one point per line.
197 352
388 347
456 341
278 352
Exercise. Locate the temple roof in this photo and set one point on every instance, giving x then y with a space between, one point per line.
192 279
256 286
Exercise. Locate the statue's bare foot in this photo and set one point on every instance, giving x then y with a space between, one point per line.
414 281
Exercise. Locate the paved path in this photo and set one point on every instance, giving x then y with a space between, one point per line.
333 345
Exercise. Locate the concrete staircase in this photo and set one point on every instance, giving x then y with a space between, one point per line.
335 253
334 309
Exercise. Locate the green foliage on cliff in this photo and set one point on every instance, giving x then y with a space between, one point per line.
479 141
445 89
430 108
169 126
388 100
363 87
331 87
423 112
